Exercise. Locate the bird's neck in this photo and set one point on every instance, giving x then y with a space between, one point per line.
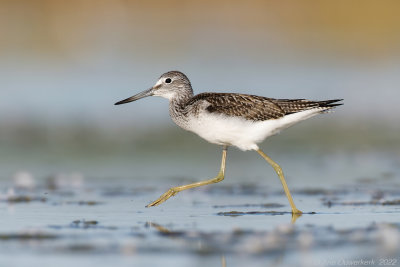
177 108
181 97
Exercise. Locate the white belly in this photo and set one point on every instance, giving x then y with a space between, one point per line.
244 134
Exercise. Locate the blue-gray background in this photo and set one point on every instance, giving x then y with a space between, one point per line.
76 171
63 65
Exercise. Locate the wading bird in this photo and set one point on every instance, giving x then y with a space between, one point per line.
230 119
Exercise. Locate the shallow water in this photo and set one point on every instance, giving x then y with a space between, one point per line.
76 172
106 223
82 202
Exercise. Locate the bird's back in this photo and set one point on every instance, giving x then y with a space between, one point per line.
255 108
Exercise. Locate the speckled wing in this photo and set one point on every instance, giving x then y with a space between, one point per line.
290 106
256 108
250 107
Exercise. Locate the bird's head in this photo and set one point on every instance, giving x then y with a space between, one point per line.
170 85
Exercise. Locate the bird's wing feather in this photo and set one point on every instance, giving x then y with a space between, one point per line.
251 107
256 108
290 106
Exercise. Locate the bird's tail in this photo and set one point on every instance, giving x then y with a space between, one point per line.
290 106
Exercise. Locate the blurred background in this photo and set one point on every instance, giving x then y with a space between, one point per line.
63 64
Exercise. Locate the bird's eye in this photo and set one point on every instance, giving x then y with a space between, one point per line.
168 80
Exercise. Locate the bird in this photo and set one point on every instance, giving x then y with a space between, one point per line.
230 120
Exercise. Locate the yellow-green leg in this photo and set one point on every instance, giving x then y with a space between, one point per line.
175 190
278 170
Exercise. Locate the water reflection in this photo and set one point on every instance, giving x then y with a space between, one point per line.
70 223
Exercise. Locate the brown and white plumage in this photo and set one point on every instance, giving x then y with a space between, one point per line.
230 119
257 108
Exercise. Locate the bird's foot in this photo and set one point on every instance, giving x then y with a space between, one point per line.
170 193
296 215
296 211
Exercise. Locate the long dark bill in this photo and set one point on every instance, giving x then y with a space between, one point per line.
148 92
